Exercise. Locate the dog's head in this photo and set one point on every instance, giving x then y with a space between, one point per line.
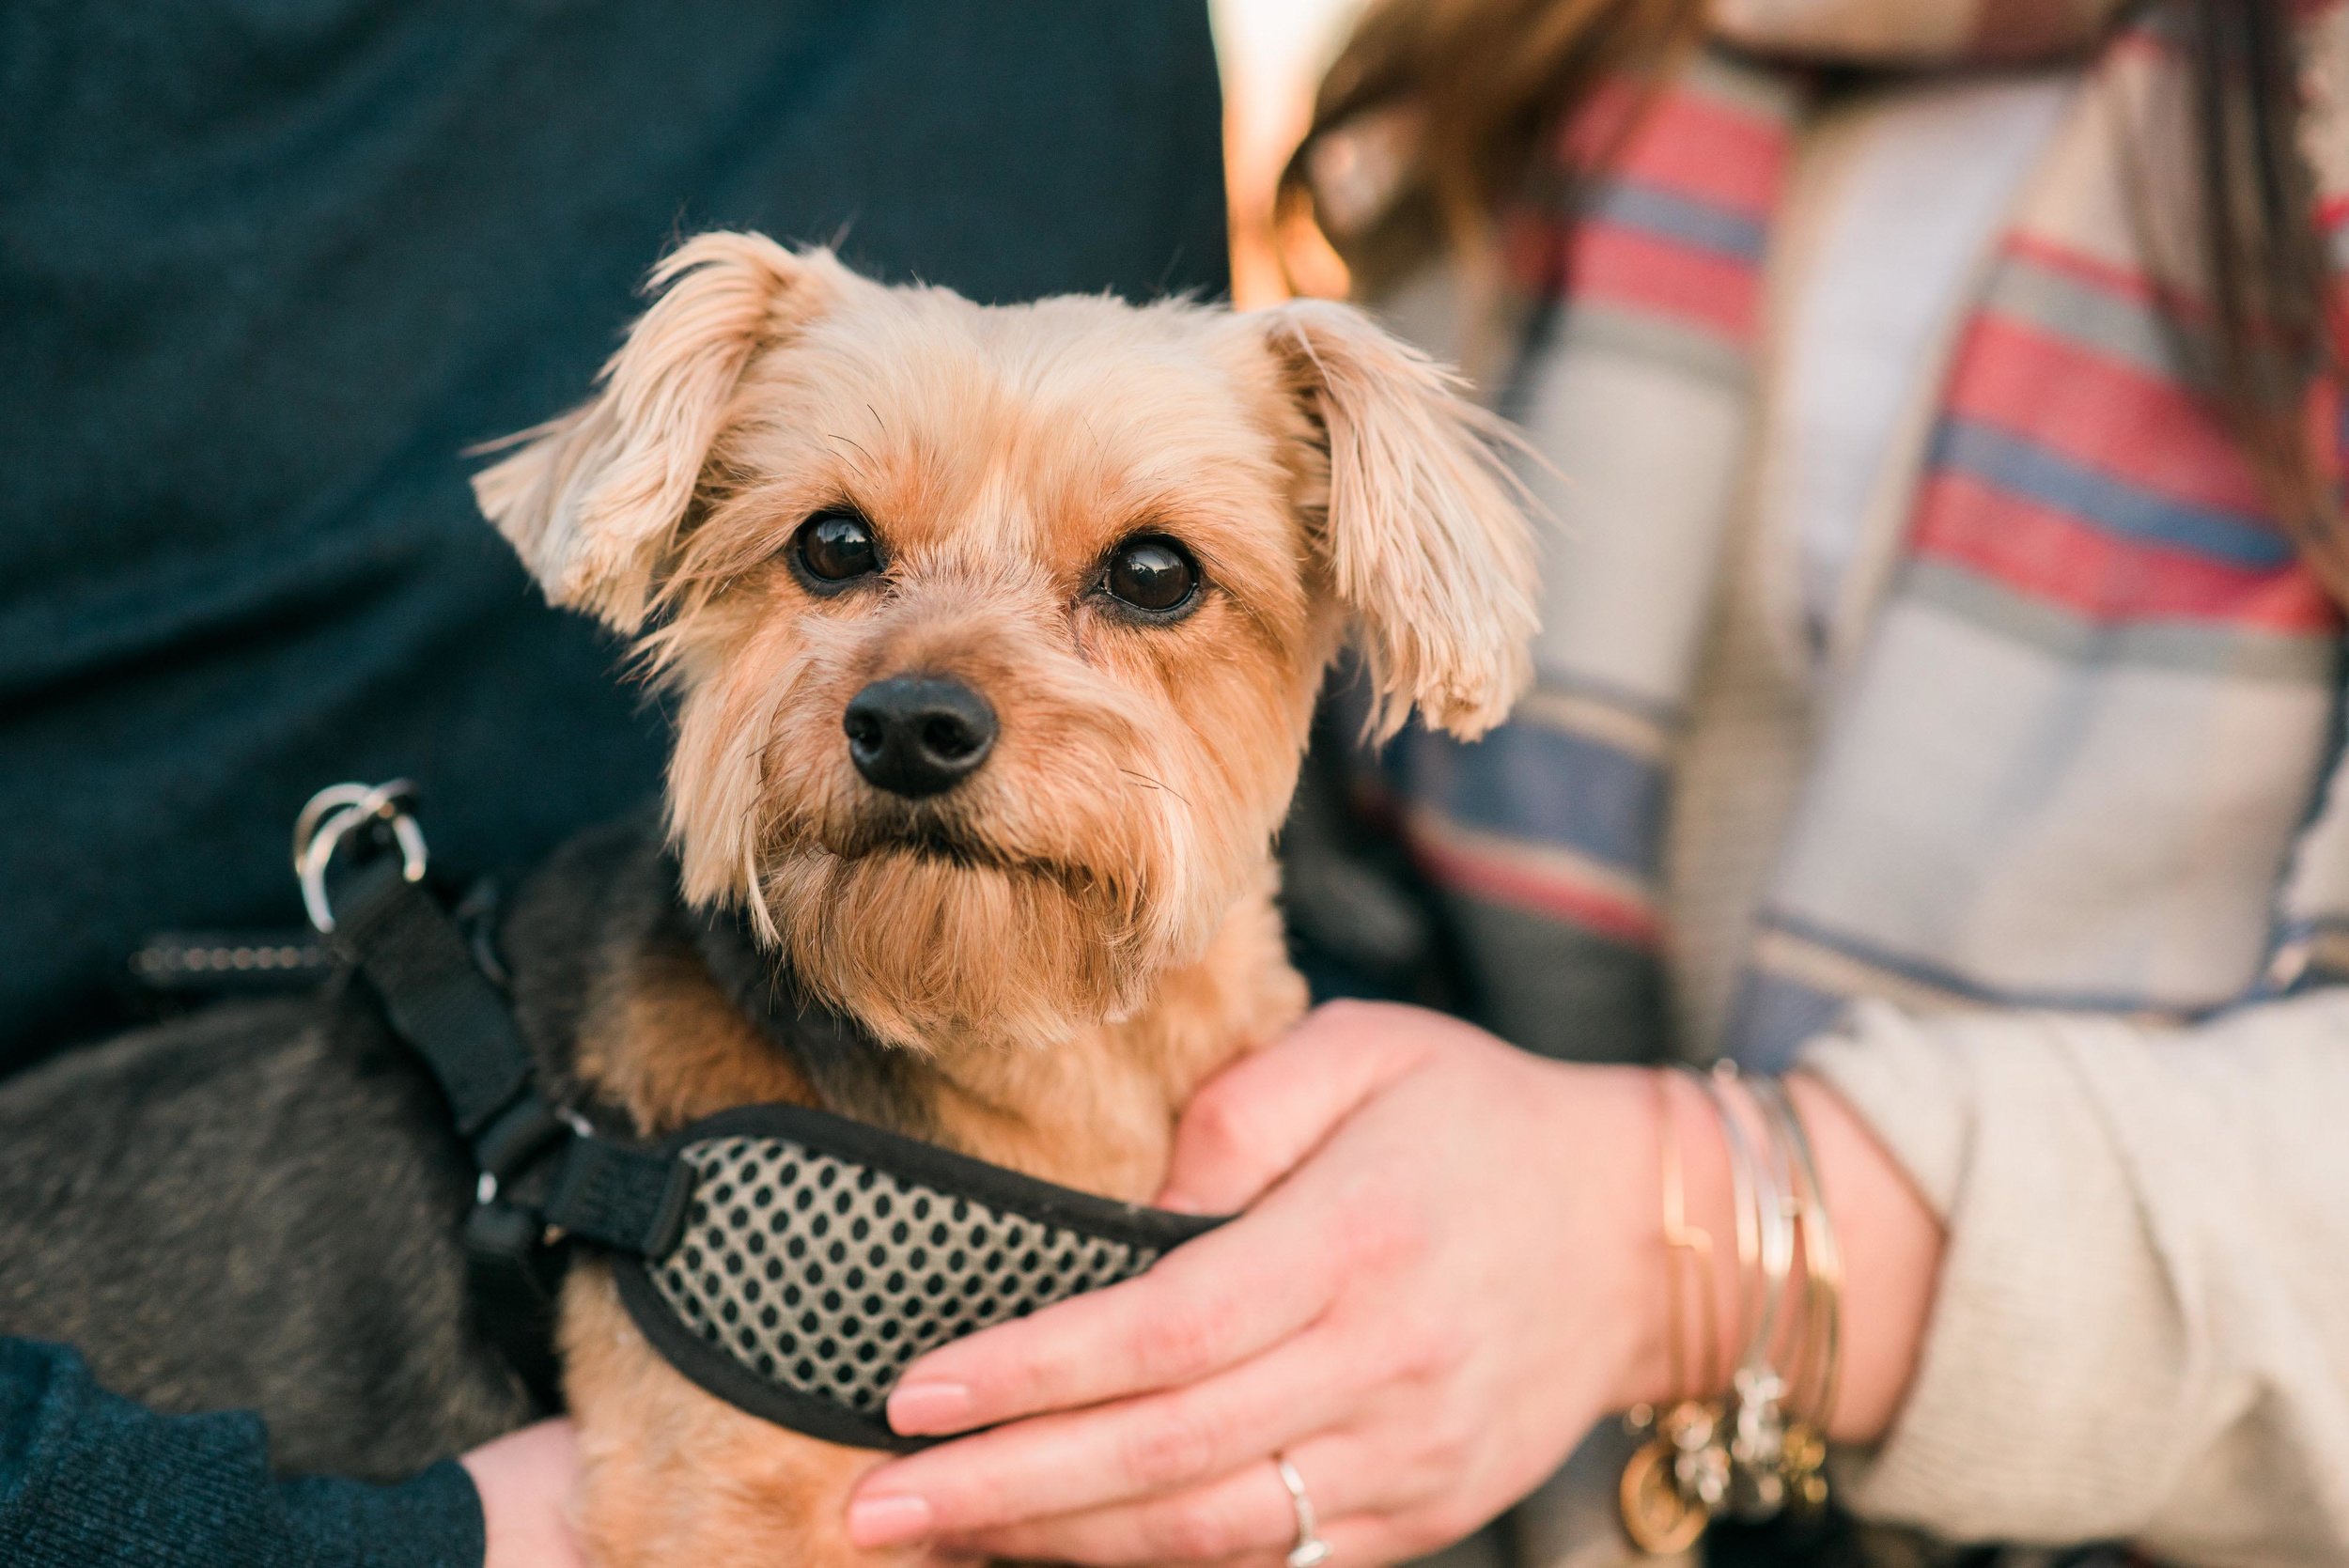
996 630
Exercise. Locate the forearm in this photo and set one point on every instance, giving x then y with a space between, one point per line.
2095 1274
1892 1255
2136 1327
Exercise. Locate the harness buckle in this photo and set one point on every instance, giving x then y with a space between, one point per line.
330 816
512 1279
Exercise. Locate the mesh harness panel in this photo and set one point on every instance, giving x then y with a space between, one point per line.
818 1256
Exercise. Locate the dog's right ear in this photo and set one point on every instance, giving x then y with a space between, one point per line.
594 502
1418 522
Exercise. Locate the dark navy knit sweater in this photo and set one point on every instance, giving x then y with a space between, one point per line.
267 267
87 1478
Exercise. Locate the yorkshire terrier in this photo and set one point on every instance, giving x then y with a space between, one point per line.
994 634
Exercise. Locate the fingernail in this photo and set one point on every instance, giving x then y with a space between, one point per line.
888 1521
923 1408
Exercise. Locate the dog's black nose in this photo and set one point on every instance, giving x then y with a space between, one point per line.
918 734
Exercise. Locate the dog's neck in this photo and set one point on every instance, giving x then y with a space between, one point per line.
1097 1110
664 1023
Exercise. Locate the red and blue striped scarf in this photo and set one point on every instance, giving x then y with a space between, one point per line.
2076 747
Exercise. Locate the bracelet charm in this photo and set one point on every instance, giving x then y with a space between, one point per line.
1662 1511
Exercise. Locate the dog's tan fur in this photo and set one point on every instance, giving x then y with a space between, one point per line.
1104 935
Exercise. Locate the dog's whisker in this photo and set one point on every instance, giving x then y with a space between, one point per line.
854 466
1154 783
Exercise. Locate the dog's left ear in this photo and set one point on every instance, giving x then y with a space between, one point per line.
1422 530
594 501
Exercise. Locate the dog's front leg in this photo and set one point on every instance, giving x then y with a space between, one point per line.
673 1477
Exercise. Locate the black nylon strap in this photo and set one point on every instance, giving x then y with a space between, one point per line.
631 1200
441 1004
518 1135
439 1001
511 1280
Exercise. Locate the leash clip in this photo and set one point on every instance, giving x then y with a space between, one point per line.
329 817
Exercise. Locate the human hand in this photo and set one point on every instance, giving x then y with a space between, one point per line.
1424 1315
526 1481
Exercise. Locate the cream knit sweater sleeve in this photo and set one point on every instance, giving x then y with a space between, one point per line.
2141 1325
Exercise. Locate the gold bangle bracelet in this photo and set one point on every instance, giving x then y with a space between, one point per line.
1820 1357
1678 1475
1766 1237
1754 1302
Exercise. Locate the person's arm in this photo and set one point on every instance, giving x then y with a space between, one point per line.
1463 1270
88 1477
2141 1325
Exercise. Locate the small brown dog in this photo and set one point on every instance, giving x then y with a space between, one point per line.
995 634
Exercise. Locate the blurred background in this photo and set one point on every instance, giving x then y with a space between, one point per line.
1272 51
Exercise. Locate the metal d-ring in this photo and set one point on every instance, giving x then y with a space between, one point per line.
330 816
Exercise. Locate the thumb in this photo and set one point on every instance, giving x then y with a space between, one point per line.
526 1481
1252 1123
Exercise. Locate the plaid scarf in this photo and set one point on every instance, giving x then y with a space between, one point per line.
2070 741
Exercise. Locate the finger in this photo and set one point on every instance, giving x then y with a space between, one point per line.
1372 1539
1243 1513
1209 1305
1115 1455
1249 1125
1359 1541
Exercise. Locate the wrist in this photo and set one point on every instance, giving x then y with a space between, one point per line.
1890 1242
1756 1309
1687 1309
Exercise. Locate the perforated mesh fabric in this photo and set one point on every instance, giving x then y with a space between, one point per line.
826 1276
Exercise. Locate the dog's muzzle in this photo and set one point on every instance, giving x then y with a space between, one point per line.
790 1261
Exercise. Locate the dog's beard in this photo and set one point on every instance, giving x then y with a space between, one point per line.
934 944
1016 914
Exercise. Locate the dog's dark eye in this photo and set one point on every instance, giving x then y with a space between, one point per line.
1152 573
834 546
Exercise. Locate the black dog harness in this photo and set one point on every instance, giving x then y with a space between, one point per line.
790 1261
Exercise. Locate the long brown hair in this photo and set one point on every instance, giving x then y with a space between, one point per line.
1478 86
